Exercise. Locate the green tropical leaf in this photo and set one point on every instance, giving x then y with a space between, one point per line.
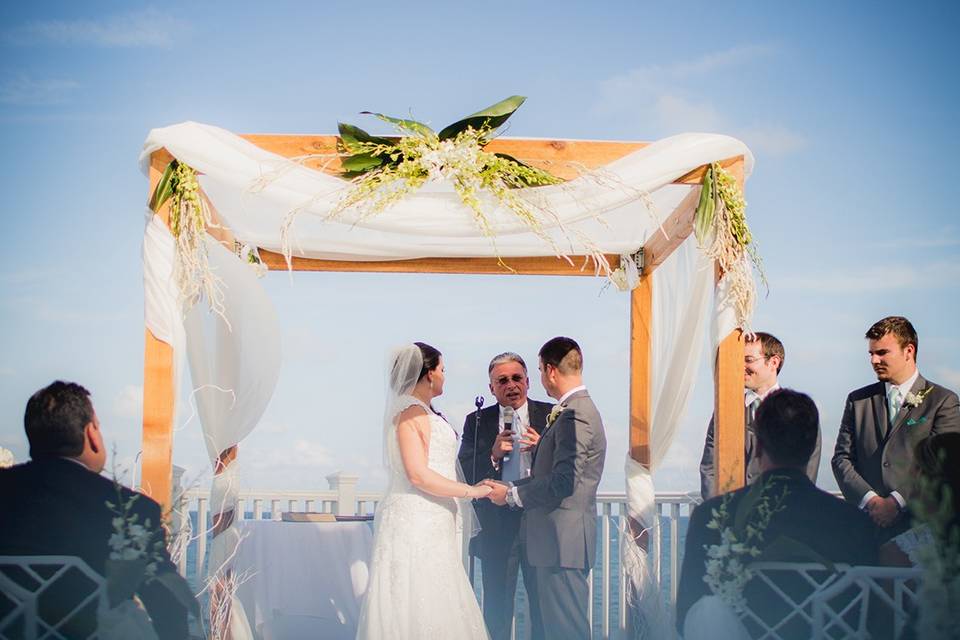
493 117
350 136
703 218
361 163
164 188
412 126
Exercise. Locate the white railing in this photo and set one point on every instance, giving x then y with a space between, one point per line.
608 615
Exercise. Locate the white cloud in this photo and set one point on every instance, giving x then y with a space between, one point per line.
26 91
668 99
772 140
674 113
147 28
874 279
949 377
129 404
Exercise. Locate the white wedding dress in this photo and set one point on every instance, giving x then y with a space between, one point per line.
418 587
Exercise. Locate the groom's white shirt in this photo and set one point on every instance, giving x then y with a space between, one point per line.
513 490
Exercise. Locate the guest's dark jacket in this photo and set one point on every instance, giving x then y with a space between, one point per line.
830 527
55 506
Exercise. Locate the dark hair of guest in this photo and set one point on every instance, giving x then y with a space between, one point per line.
900 327
787 423
562 353
431 358
55 419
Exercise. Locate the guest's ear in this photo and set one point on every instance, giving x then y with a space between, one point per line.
93 437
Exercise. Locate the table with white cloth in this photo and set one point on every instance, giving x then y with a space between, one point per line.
303 575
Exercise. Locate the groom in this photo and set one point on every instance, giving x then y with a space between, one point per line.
559 499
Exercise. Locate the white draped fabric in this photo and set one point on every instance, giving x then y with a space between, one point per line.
613 210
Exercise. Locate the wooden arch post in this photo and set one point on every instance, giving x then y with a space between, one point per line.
558 157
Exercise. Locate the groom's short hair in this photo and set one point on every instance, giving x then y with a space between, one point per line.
55 419
562 353
787 423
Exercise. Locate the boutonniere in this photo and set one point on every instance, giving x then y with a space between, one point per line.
554 413
913 400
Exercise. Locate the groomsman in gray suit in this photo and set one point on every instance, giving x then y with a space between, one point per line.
559 499
883 422
504 435
763 358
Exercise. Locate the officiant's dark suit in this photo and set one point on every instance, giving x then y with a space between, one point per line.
559 499
787 426
498 543
873 457
56 504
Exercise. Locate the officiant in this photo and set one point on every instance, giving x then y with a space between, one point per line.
498 445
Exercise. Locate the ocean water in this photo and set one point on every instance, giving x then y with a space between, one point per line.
521 610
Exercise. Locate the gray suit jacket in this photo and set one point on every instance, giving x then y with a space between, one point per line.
560 497
751 462
871 455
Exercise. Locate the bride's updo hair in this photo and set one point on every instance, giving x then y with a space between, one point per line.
431 358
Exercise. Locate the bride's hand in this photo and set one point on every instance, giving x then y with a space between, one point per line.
479 491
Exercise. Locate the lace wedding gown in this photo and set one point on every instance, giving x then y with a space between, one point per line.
418 587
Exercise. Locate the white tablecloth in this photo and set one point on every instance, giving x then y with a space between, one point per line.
303 575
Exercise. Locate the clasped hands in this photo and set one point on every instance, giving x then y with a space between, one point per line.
883 511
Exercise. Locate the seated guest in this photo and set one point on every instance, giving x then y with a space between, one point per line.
787 424
936 490
56 504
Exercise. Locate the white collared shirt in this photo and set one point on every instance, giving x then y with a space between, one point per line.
521 420
904 387
904 390
749 395
564 397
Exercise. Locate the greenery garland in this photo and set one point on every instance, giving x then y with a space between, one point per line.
190 218
385 170
720 225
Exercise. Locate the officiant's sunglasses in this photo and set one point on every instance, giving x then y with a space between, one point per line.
502 380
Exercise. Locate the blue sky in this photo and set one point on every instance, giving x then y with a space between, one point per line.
849 108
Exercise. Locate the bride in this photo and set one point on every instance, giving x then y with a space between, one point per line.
418 587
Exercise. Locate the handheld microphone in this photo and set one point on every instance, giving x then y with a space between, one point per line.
507 424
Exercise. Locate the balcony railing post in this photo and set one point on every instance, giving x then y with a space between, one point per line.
345 485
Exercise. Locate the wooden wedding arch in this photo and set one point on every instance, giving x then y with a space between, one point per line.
559 157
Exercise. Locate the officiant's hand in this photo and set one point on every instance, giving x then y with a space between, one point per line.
498 492
529 440
503 445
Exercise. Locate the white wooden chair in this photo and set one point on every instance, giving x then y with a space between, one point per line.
35 575
886 592
790 587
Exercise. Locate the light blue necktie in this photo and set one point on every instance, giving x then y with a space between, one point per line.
511 466
896 401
